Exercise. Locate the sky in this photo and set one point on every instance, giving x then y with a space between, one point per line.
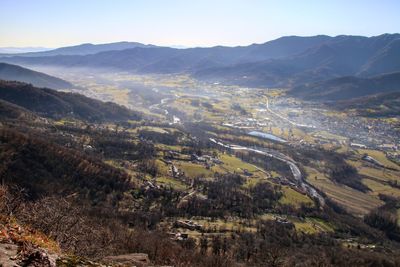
56 23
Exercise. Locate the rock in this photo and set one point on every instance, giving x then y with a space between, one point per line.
70 260
37 257
8 255
134 259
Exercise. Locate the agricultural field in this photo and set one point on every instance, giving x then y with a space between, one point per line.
312 226
171 182
292 197
378 187
227 227
372 171
356 202
381 157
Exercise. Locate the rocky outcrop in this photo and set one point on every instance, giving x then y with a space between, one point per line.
134 259
8 255
13 255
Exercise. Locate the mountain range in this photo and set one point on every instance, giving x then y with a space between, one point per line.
82 49
153 59
19 50
287 62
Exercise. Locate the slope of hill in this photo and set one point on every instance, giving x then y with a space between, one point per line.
11 111
348 87
54 104
45 168
385 60
380 105
17 73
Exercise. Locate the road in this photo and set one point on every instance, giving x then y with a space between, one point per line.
297 175
164 101
289 121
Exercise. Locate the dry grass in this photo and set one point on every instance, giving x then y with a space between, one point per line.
379 188
367 169
356 202
12 231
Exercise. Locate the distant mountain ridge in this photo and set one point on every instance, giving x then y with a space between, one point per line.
16 73
19 50
84 49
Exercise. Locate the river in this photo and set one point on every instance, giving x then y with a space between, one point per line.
297 175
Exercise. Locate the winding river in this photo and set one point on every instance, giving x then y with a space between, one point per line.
297 175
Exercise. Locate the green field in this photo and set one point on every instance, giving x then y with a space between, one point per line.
234 164
380 156
193 170
307 225
169 181
312 226
292 197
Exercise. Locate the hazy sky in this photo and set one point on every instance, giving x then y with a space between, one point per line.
54 23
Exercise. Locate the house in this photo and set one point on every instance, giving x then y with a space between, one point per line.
175 171
358 145
187 224
179 236
372 160
171 154
388 147
247 173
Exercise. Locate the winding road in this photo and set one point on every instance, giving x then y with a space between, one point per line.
289 121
